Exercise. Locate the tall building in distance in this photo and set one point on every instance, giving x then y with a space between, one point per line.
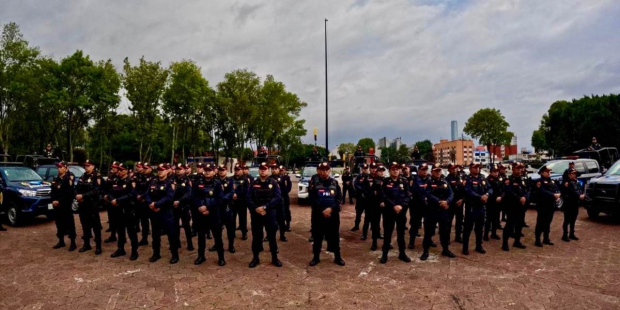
458 151
396 143
454 130
383 142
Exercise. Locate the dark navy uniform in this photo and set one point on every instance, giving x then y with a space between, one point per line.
360 201
264 194
63 192
226 210
456 211
208 193
347 186
437 190
123 192
88 186
113 213
143 181
514 190
418 207
280 209
326 194
161 193
374 191
475 188
183 194
395 193
571 192
493 207
286 185
240 204
547 189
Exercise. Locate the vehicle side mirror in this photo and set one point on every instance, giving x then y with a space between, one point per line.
298 176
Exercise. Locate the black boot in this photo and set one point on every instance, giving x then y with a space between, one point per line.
374 245
144 241
110 239
231 249
495 236
573 237
275 261
411 244
190 245
364 237
98 248
201 259
155 257
117 253
212 249
255 261
480 249
220 259
519 245
338 259
424 255
175 258
547 242
134 255
73 246
355 228
315 260
505 247
565 237
60 244
283 238
403 256
86 247
384 257
447 253
538 243
486 236
244 236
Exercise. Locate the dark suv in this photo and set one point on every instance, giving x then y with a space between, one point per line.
23 194
602 193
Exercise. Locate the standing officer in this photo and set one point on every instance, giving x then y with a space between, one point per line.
207 196
359 157
275 175
326 215
548 196
315 156
347 186
572 195
113 214
360 200
456 208
181 205
240 203
565 177
226 213
419 204
263 200
514 198
286 186
503 177
439 195
122 195
62 200
160 199
142 209
493 204
394 203
246 173
374 186
477 193
87 191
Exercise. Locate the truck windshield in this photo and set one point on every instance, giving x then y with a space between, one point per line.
614 170
21 175
558 166
309 171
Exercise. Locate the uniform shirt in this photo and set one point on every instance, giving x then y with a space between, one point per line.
395 192
496 184
264 194
285 184
161 192
241 186
206 193
142 183
457 185
547 189
514 189
326 194
183 189
358 183
359 156
62 189
228 186
438 190
89 186
375 188
571 190
475 188
123 191
347 179
419 189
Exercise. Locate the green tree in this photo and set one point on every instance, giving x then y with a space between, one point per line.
144 85
425 148
539 141
366 144
346 148
489 127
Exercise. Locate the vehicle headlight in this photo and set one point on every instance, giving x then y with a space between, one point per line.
304 183
27 192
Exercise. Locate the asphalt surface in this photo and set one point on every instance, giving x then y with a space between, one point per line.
582 274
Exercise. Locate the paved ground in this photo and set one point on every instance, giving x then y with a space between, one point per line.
578 275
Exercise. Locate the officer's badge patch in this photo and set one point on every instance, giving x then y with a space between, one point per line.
241 182
161 188
124 185
270 186
182 184
524 183
402 186
210 193
133 184
225 184
501 179
88 181
445 185
484 183
332 192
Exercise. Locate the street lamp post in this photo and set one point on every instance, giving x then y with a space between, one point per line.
326 107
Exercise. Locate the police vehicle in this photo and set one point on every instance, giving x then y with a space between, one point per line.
603 193
23 194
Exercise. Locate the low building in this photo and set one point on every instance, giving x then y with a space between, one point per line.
458 151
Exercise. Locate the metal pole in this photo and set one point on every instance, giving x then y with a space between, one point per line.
326 107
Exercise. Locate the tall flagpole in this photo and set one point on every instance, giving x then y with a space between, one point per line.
326 107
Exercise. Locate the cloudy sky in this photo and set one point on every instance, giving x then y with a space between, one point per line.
400 68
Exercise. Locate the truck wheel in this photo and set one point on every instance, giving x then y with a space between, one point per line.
13 214
593 214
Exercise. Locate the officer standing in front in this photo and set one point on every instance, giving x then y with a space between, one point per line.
240 202
572 196
207 195
62 200
439 195
394 203
419 204
263 199
374 187
181 205
360 200
326 215
275 175
87 196
456 208
160 200
548 196
226 213
493 204
143 180
514 199
113 213
286 186
122 195
347 186
477 193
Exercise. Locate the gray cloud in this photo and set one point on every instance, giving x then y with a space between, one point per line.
396 68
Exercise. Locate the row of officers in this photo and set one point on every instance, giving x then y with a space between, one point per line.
212 202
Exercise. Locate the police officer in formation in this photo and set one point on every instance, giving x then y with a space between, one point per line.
207 194
113 213
286 185
275 175
477 193
419 205
494 204
87 193
263 201
226 212
572 194
439 196
181 204
457 184
515 196
347 186
548 196
121 195
142 179
325 215
62 200
360 200
394 204
373 188
239 202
